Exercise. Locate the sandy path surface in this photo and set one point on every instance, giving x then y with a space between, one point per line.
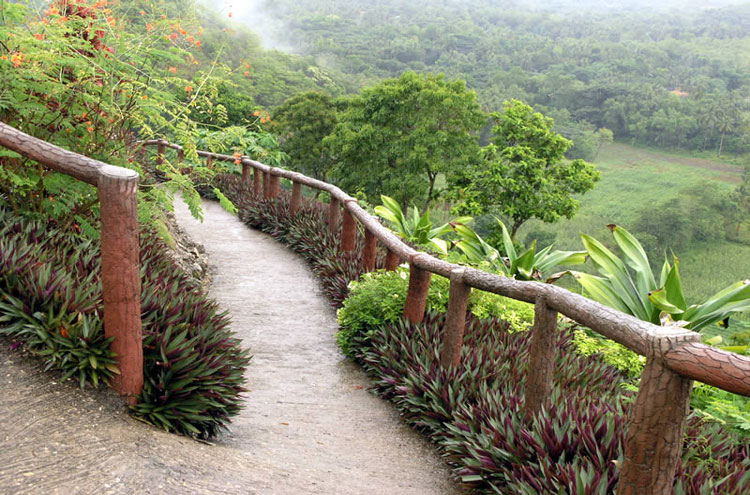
309 425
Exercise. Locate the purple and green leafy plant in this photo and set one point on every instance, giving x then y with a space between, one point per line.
50 300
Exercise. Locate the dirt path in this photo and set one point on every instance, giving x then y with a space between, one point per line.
309 426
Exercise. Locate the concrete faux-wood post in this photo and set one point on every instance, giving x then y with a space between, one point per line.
416 297
392 260
275 186
370 251
209 161
161 149
257 182
121 279
296 200
180 155
247 171
455 320
334 214
266 185
348 230
541 358
653 442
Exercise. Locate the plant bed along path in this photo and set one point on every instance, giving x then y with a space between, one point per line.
309 425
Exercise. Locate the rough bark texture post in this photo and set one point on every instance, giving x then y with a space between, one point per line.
348 232
296 201
275 186
653 442
455 320
180 156
161 148
416 297
541 358
334 213
392 260
370 252
247 169
257 182
266 185
121 279
209 161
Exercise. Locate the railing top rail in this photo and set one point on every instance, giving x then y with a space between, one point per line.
681 349
70 163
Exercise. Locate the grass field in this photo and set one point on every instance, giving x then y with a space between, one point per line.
634 179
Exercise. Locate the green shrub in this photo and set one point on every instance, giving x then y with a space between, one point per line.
379 298
588 343
518 314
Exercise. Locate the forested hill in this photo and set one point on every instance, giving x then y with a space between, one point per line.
674 78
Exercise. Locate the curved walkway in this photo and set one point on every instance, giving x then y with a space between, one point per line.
309 426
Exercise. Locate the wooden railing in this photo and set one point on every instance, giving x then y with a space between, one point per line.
675 356
117 189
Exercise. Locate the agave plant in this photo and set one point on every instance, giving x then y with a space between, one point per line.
529 265
415 228
630 286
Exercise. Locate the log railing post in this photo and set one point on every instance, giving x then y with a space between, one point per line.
334 214
296 200
257 182
247 170
541 358
653 442
348 231
209 161
180 155
455 320
370 251
392 260
161 149
121 278
267 185
416 297
275 187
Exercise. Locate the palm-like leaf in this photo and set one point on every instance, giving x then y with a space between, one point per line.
530 265
415 228
634 290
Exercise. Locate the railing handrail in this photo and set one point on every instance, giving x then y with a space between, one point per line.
680 348
81 167
117 188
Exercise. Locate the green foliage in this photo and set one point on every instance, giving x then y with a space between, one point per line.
396 137
723 407
523 174
529 265
702 213
252 141
671 76
415 228
50 300
302 122
378 298
79 81
588 343
630 286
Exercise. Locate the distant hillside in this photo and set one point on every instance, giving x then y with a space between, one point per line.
676 79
